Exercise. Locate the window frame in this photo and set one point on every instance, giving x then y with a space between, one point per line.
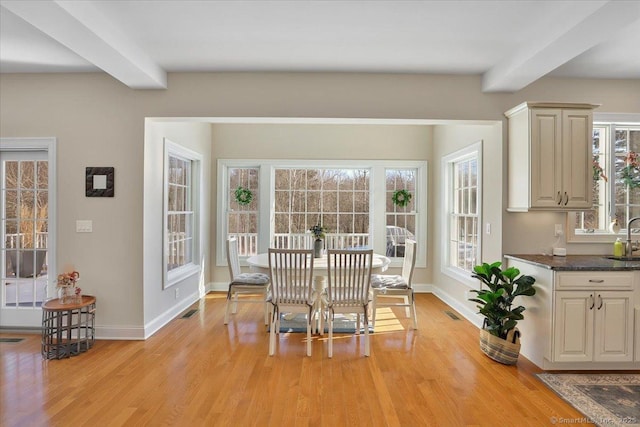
448 163
175 276
609 121
376 192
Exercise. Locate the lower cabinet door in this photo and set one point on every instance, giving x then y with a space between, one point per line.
573 326
613 337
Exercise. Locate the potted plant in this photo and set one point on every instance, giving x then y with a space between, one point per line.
499 337
318 232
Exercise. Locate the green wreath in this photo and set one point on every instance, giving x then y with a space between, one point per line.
243 196
401 198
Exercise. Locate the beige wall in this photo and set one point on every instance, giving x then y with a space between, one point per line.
99 122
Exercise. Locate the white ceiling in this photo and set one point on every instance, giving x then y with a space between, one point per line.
510 43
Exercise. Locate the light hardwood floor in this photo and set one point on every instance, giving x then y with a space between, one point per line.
198 372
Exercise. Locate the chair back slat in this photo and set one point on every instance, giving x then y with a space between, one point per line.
291 275
233 260
349 277
409 262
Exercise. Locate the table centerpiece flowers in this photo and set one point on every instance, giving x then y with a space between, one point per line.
68 292
319 234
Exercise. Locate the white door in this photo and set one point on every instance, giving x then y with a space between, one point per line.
25 252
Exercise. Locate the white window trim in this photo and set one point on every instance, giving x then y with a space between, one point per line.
473 150
378 192
617 119
170 278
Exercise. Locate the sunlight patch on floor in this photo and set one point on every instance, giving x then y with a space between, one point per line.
387 321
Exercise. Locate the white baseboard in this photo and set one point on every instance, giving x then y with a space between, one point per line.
150 328
465 311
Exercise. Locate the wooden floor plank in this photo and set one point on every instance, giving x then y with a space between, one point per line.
197 371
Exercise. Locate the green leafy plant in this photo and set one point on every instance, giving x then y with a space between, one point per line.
496 303
401 198
630 173
243 196
318 231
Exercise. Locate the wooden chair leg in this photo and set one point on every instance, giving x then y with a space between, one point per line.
413 312
226 310
367 347
330 321
373 311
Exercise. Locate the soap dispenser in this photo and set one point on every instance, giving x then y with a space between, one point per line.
618 248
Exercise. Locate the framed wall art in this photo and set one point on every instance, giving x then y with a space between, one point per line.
100 182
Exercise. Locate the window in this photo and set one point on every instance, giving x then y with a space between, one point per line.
337 199
340 195
400 216
242 212
182 184
613 197
462 195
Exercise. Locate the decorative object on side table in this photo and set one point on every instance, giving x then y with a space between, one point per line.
319 234
68 292
499 337
401 198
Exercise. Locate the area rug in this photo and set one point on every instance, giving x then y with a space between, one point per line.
298 323
604 399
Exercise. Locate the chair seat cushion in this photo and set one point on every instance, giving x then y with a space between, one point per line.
258 279
388 281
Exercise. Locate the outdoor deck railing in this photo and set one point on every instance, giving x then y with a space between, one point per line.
248 242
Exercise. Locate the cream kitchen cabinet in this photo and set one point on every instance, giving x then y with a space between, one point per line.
585 314
593 326
550 157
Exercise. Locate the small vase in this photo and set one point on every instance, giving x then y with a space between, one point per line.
66 294
317 248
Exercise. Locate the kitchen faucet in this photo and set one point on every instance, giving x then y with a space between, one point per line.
629 248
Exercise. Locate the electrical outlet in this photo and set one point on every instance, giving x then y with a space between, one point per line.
558 230
177 293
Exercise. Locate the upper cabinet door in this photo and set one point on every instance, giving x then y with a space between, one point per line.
577 155
546 158
550 157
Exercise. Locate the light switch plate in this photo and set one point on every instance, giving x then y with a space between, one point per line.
84 226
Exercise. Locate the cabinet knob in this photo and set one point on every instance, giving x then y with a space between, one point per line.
591 300
559 198
600 306
566 198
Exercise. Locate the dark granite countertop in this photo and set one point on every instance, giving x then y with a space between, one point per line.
577 262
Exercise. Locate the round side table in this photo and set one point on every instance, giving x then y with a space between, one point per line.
68 329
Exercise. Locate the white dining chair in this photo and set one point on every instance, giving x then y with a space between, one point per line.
254 287
348 289
292 289
386 286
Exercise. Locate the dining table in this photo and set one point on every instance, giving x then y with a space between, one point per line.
260 263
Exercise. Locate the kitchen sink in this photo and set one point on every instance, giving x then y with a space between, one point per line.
624 258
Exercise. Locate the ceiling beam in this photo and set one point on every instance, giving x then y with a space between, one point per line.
585 26
81 27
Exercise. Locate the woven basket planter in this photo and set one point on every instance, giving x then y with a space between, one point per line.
503 351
